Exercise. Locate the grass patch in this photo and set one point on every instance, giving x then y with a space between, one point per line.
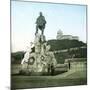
36 82
22 82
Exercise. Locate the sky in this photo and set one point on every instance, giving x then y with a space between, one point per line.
70 19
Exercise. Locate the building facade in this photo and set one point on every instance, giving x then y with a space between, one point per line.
60 36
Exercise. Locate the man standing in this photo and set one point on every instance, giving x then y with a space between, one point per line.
52 69
49 69
40 23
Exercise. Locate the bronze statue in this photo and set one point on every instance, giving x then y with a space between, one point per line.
40 23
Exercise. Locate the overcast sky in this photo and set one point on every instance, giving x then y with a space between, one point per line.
71 19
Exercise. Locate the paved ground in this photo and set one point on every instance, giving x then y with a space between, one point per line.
72 77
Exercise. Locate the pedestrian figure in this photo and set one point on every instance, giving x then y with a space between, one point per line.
48 69
69 64
52 69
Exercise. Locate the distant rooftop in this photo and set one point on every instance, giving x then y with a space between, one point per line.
60 36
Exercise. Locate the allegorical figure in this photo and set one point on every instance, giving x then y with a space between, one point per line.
40 23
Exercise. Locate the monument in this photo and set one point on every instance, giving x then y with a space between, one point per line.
41 59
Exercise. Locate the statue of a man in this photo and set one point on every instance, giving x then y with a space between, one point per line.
40 23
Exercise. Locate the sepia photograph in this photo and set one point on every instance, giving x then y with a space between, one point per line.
48 44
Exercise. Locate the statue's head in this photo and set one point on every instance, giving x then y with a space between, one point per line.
40 13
